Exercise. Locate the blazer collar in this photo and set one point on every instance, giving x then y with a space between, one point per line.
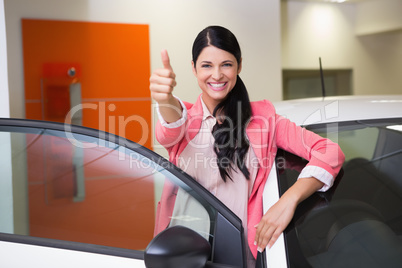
254 130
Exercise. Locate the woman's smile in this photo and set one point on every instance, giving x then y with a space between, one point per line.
217 86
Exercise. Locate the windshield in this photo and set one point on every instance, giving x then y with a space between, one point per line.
358 222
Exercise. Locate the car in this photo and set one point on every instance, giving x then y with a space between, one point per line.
72 196
358 222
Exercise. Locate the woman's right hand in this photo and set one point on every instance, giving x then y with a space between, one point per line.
162 81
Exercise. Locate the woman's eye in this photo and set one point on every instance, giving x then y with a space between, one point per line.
205 65
227 64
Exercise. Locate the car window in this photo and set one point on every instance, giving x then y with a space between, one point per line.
358 222
103 194
79 188
356 142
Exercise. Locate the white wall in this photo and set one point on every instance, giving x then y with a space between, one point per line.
4 98
379 47
311 30
6 186
173 25
378 16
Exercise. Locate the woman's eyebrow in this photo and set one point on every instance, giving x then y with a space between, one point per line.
225 61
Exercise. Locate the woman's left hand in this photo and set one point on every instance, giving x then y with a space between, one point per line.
278 217
274 222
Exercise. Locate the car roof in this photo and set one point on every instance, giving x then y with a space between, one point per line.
340 108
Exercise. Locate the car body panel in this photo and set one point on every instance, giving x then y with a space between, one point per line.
276 255
340 109
17 255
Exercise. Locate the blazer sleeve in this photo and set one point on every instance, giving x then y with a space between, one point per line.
325 157
169 134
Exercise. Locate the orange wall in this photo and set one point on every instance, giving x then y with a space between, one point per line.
113 67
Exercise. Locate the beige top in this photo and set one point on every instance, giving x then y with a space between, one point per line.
198 159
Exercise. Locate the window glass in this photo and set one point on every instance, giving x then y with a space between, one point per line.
84 189
355 142
358 222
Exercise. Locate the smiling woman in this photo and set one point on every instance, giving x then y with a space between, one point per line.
224 126
215 78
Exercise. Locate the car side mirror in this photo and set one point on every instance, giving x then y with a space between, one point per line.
177 247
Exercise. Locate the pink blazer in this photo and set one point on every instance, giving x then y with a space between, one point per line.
266 132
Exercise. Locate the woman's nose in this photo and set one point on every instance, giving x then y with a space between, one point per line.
217 74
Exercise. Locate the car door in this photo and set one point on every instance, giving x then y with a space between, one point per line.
78 197
276 256
358 221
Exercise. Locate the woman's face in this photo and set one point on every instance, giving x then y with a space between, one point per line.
216 71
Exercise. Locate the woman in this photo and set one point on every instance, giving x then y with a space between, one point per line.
238 138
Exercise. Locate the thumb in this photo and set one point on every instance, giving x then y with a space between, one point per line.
166 60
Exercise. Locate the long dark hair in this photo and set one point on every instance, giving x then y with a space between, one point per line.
231 145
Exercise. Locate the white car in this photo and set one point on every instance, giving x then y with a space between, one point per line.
76 197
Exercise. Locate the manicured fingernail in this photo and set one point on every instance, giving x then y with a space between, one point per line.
259 249
255 243
255 226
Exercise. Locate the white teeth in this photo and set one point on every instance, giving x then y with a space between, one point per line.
218 85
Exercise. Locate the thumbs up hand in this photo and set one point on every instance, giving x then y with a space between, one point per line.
162 81
166 60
